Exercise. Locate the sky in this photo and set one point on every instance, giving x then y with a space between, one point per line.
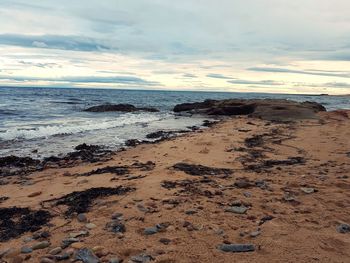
280 46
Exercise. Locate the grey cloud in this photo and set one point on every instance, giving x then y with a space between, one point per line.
83 79
189 75
77 43
258 82
304 72
218 76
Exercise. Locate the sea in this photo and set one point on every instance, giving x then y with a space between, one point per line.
43 122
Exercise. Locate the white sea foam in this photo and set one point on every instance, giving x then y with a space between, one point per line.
76 126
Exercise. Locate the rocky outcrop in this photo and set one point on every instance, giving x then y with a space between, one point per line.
119 107
268 109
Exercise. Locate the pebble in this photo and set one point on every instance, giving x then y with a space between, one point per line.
165 241
26 250
343 228
235 248
67 242
41 245
90 226
115 260
35 194
117 215
82 218
64 256
150 231
46 260
78 234
55 251
78 245
190 212
255 234
237 209
87 256
142 258
307 190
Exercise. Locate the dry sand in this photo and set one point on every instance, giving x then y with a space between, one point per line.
303 228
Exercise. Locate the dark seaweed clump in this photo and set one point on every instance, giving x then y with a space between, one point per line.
80 202
192 169
15 221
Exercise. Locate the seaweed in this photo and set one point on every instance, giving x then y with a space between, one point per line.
196 170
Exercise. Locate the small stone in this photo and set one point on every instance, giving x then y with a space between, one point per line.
117 215
78 234
165 241
237 209
64 256
26 250
70 251
46 260
55 251
41 245
142 258
35 194
247 194
150 231
82 218
190 212
87 256
90 226
307 190
28 239
115 260
236 248
343 228
116 227
78 245
67 242
255 234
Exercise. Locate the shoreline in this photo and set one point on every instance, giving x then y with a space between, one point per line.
266 184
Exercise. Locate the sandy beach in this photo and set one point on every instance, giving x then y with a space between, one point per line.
280 188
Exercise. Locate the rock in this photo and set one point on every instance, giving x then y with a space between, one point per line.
41 245
46 260
119 107
243 183
237 209
343 228
255 234
86 255
82 218
78 245
307 190
64 256
165 241
116 227
267 109
115 260
150 231
35 194
67 242
235 248
142 258
90 226
190 212
55 251
26 250
79 234
117 216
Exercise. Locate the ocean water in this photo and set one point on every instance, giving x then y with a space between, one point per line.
42 122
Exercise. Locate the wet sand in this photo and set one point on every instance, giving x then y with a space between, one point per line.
288 210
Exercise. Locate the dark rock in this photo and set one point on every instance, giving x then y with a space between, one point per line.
116 227
142 258
62 257
165 241
119 107
41 245
343 228
236 248
160 135
192 169
82 218
80 202
243 183
15 221
265 219
132 143
86 255
150 231
269 109
67 242
26 250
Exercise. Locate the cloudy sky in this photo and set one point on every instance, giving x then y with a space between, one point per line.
284 46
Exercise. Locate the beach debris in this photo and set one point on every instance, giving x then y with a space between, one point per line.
236 248
86 255
119 107
15 221
255 141
343 228
118 170
196 170
265 219
267 164
80 202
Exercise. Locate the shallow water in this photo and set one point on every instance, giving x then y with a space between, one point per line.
50 121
